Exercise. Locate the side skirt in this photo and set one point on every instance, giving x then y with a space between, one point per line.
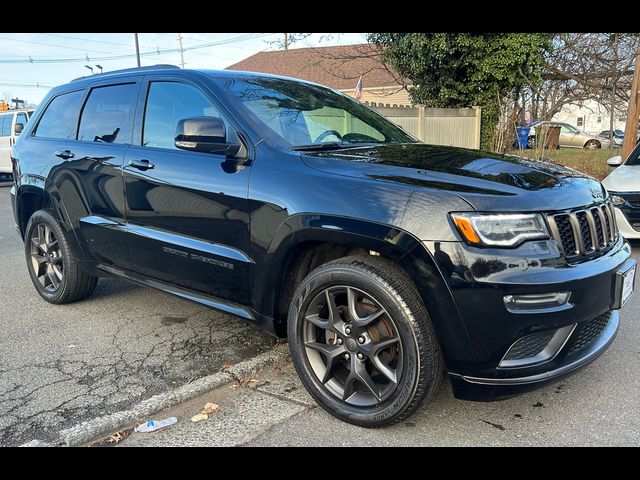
264 322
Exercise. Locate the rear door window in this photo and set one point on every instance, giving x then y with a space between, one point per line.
60 118
107 116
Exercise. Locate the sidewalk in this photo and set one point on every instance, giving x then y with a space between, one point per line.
246 412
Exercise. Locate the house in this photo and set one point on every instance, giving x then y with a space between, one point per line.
591 116
337 67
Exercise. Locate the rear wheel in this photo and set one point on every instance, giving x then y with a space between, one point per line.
592 145
52 266
362 341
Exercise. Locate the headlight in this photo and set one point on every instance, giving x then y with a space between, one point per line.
500 230
617 200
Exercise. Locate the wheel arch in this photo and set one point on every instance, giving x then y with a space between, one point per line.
36 193
29 199
306 241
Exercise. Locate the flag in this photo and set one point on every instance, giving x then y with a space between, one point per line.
358 93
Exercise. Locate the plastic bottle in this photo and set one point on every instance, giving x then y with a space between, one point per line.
154 425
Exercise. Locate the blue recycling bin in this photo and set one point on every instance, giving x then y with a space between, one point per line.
523 137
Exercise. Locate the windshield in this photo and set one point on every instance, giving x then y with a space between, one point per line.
305 115
634 158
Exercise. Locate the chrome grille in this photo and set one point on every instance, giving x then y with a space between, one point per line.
584 232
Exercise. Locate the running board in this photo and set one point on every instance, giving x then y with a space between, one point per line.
207 300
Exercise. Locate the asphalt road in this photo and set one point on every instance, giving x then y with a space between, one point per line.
61 365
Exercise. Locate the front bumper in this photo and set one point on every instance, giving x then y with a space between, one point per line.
479 279
489 389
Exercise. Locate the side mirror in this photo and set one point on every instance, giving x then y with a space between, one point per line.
204 134
615 161
19 127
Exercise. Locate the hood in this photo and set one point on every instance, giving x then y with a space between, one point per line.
623 179
488 181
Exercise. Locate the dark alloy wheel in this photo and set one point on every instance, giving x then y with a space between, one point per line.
362 341
46 257
53 262
352 345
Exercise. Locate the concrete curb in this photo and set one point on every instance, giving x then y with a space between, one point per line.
98 428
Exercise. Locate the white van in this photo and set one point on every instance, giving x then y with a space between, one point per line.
12 122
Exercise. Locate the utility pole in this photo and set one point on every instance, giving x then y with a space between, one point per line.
631 129
286 41
181 50
135 35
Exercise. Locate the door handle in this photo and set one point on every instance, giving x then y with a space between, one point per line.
142 164
65 154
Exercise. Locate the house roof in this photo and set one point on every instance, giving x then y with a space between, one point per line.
336 67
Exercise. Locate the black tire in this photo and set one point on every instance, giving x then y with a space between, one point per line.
73 283
592 145
531 142
421 367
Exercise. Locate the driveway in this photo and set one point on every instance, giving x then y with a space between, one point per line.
61 365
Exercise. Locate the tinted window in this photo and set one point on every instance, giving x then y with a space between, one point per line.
60 117
634 158
5 125
22 118
107 115
167 104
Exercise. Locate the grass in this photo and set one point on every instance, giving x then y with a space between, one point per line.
590 162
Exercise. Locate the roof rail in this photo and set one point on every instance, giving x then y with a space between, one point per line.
134 69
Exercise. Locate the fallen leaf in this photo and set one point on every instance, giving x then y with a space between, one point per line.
115 438
227 365
199 417
210 408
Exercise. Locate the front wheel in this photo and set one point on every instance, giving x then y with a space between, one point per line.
362 342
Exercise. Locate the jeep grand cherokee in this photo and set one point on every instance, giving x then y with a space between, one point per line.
385 261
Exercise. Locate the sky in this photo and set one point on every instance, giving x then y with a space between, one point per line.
61 57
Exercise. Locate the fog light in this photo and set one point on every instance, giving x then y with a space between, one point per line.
536 348
538 302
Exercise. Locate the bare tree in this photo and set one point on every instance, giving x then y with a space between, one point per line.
586 66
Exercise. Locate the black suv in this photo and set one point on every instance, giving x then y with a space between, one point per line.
382 259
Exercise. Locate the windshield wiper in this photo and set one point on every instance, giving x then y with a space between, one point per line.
322 146
335 145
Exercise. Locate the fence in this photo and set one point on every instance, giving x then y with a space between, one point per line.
457 127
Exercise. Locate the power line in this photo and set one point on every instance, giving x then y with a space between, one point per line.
86 58
36 85
86 39
106 42
51 45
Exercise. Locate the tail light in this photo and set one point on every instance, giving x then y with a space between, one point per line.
14 164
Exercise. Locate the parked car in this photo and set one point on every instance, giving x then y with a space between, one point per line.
570 136
11 124
618 137
383 260
623 185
